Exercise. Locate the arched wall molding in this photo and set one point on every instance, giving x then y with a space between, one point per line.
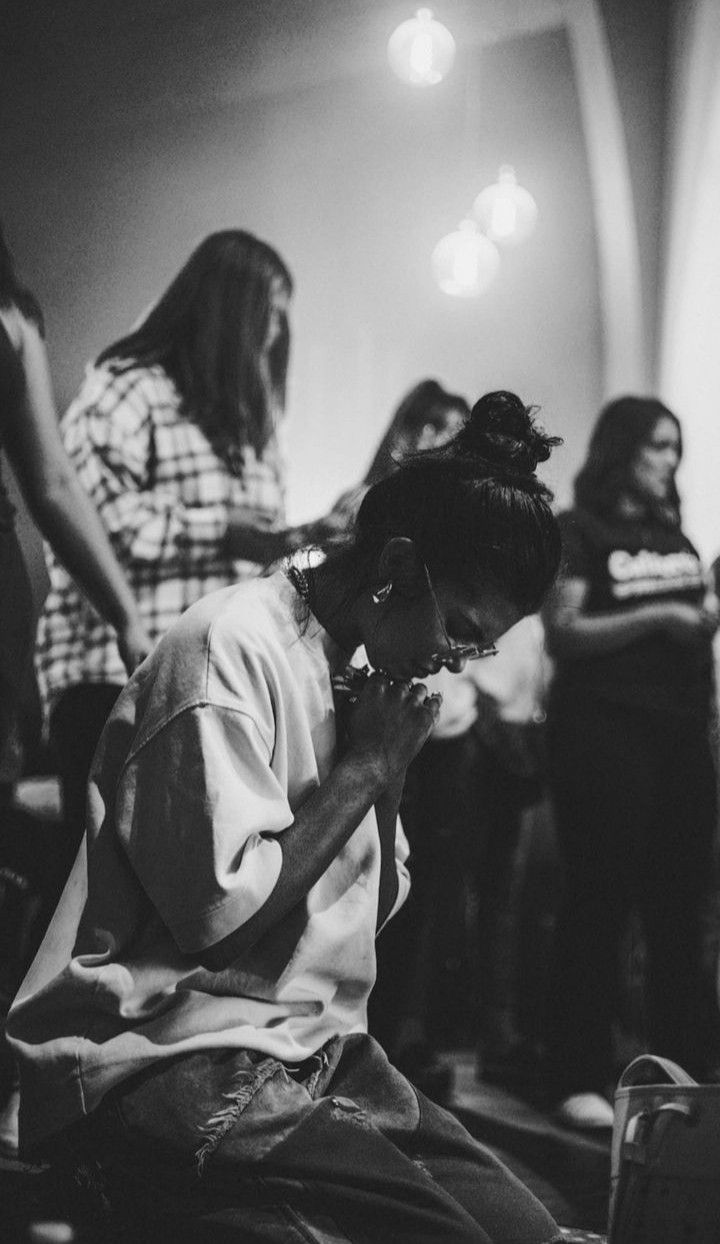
626 365
689 379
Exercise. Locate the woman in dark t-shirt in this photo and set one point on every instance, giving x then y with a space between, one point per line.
630 627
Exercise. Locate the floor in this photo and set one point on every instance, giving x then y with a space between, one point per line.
568 1172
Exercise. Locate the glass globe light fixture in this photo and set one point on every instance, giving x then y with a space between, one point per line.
421 50
505 211
465 262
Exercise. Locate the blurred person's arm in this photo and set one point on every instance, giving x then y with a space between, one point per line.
572 632
58 503
254 536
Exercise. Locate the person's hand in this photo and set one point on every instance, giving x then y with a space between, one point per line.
134 644
253 535
687 624
390 722
331 524
347 685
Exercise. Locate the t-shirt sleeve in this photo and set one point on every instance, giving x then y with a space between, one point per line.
576 561
402 853
12 380
198 809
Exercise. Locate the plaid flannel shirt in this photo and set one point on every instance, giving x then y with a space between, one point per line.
164 495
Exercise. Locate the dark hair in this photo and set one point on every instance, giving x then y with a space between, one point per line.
474 507
622 427
13 293
208 330
427 402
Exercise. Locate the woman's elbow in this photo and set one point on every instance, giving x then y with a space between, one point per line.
48 497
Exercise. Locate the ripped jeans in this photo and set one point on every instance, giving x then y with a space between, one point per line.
232 1145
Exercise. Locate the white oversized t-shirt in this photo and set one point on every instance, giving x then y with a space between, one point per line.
215 742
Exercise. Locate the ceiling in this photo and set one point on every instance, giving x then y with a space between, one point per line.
268 46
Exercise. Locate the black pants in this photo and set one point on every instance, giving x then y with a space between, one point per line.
445 961
635 802
76 724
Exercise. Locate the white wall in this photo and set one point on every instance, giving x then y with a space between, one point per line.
690 361
127 137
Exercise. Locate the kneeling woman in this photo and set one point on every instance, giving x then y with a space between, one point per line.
197 1015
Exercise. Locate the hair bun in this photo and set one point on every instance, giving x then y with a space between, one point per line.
502 431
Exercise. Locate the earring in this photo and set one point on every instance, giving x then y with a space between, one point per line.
381 595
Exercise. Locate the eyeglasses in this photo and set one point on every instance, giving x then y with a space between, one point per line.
463 652
455 653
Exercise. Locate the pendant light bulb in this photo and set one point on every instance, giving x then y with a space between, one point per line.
421 50
465 262
505 211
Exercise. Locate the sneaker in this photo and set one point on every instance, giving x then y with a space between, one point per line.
9 1114
587 1111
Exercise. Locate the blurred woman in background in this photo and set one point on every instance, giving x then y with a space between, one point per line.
630 627
427 417
174 437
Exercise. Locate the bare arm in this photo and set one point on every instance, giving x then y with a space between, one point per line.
56 499
571 632
254 537
320 830
388 728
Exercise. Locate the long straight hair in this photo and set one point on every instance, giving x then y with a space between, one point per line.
208 333
12 291
622 427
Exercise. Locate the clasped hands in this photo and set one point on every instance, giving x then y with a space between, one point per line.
389 718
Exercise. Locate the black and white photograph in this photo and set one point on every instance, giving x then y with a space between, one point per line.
359 622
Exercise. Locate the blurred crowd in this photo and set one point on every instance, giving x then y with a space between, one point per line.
561 816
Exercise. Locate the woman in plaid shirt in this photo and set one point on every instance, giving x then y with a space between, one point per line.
173 435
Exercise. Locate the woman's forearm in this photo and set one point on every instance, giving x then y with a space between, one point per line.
322 827
56 499
69 522
572 634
